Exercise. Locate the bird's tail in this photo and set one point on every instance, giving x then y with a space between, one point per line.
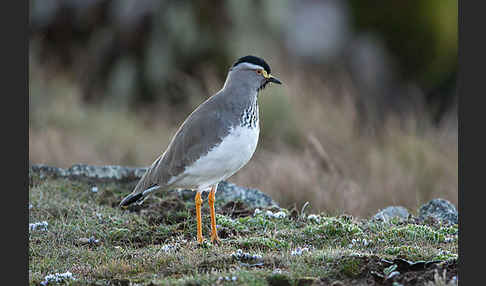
138 197
144 187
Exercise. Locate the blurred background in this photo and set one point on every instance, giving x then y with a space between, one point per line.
366 118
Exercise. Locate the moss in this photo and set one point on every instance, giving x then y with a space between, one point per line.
338 228
445 255
262 243
407 252
350 266
414 232
449 230
332 230
258 222
234 224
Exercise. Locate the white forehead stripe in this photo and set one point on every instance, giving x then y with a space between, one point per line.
250 66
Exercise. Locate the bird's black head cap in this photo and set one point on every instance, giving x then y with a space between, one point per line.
253 60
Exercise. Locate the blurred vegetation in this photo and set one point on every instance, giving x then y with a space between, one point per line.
421 34
366 116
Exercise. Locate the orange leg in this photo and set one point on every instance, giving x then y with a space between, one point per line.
198 214
214 232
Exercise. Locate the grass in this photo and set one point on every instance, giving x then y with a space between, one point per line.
156 243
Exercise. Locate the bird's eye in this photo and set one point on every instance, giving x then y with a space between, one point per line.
259 71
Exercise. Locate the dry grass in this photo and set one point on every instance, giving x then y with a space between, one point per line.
338 169
310 149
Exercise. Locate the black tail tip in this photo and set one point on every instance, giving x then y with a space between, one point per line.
130 199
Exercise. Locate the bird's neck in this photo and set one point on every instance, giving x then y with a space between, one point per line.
244 100
249 117
244 86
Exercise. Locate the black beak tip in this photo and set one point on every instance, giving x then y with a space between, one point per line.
275 80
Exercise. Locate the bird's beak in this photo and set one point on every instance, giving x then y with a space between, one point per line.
273 79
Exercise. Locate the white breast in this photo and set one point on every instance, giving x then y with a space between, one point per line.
222 161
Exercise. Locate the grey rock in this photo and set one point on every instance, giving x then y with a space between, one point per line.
90 172
226 192
390 212
252 197
439 209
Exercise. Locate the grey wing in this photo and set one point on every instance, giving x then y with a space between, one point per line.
182 150
203 129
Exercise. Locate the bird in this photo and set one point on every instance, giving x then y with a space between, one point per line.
216 140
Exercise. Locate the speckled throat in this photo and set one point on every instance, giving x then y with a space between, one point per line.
249 117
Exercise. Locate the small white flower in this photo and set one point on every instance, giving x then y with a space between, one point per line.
94 189
168 248
299 251
449 239
57 277
444 252
269 213
363 242
92 240
313 217
239 254
227 278
42 226
257 257
280 214
257 211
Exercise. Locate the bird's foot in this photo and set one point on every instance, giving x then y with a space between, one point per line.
215 239
200 239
